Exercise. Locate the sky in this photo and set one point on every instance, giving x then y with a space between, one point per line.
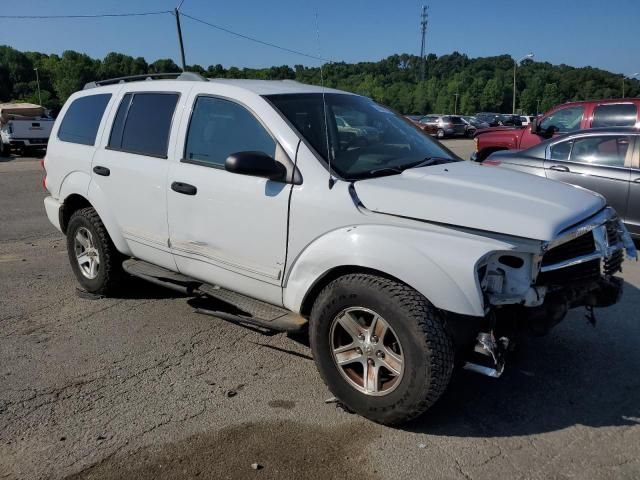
598 33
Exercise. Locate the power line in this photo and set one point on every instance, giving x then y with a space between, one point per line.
98 15
246 37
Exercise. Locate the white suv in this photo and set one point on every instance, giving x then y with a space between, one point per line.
402 259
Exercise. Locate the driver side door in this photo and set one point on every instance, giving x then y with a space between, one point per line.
225 228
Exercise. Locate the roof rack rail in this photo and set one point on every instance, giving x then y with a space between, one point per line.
185 76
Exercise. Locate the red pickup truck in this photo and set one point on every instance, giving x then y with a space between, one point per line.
559 120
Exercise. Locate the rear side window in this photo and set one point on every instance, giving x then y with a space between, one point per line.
82 119
615 115
143 123
457 120
219 128
608 150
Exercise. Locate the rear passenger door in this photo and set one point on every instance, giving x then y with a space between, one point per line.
596 162
130 169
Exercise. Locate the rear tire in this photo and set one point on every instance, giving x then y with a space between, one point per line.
94 258
415 344
5 150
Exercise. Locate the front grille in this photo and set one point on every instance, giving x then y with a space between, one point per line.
613 234
582 245
613 264
576 274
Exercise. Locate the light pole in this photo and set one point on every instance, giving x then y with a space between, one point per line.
38 82
455 103
630 77
538 107
515 66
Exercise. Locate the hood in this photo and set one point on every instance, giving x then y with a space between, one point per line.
480 197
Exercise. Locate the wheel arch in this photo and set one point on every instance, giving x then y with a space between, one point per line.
441 266
75 201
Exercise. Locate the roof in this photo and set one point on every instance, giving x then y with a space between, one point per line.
258 87
273 87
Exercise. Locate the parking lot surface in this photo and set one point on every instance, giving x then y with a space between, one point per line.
142 387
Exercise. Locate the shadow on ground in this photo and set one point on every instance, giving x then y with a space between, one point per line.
578 375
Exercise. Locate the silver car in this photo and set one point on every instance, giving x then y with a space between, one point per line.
605 160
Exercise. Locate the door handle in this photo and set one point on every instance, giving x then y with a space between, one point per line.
184 188
104 171
559 168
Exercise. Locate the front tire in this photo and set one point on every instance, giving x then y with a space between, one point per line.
380 347
440 133
94 259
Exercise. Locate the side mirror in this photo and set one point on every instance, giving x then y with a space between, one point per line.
255 164
534 126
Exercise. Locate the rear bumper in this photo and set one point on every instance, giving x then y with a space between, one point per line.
52 207
29 142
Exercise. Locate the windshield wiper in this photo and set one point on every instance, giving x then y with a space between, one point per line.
429 161
386 170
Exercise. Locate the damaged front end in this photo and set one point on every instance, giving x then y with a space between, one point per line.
532 292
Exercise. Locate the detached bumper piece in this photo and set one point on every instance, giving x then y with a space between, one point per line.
488 356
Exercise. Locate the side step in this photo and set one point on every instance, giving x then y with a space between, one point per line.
253 312
160 276
246 310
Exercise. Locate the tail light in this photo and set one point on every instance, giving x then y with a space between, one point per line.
491 163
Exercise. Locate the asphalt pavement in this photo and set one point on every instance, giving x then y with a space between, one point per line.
141 386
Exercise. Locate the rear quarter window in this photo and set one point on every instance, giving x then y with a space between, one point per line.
615 115
82 119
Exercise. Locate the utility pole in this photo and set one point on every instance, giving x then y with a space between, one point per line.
538 107
38 82
455 103
177 13
424 20
515 66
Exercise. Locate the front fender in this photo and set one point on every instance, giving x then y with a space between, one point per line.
439 263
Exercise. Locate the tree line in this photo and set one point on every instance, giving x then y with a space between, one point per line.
453 81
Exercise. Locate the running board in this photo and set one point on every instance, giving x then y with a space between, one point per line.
247 310
253 312
160 276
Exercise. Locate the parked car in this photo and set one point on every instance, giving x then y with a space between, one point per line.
398 256
473 124
490 118
443 125
24 128
605 160
564 118
353 133
414 118
508 120
526 119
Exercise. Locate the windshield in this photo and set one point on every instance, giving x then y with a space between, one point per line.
364 139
